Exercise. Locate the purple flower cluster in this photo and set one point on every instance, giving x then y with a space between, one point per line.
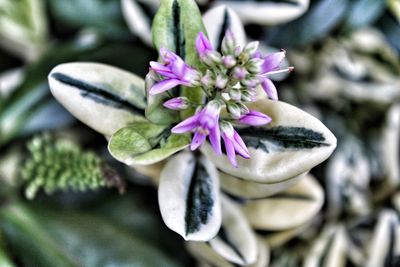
231 81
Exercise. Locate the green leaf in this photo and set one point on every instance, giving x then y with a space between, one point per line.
363 13
134 140
145 143
293 143
65 238
23 27
175 27
321 18
30 240
188 196
104 16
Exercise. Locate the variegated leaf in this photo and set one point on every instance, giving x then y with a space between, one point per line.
329 249
145 143
203 252
241 188
267 12
103 97
176 27
188 196
23 27
293 143
136 20
291 208
218 20
348 178
384 248
235 241
278 239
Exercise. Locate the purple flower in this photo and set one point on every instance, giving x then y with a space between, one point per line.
174 70
233 143
177 103
203 123
255 118
203 45
271 66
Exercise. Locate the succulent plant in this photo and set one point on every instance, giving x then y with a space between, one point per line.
279 142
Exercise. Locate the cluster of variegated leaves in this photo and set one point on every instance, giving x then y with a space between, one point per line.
361 96
115 103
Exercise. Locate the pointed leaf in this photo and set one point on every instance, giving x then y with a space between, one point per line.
235 241
175 27
188 196
145 143
103 97
267 12
291 208
329 249
251 190
218 20
293 143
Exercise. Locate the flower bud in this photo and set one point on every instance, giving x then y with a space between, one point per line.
234 110
246 96
239 73
235 94
254 65
255 118
221 81
228 61
177 103
249 83
251 48
207 80
243 108
228 43
212 58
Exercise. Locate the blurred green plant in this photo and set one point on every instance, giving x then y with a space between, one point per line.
54 165
23 27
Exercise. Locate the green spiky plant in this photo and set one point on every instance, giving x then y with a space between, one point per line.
59 164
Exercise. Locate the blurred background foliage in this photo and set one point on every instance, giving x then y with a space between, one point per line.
347 73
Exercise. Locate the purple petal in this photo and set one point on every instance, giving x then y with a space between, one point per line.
174 103
255 118
230 150
202 44
186 125
179 67
162 69
240 146
270 89
198 139
215 139
167 55
272 62
164 86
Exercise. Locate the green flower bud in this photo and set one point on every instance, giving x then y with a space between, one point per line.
251 47
234 109
235 94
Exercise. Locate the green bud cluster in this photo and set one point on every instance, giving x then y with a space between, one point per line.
54 165
232 75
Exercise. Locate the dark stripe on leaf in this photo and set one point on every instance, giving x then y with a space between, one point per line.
324 258
390 255
225 26
97 94
225 237
199 203
179 38
281 138
292 197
